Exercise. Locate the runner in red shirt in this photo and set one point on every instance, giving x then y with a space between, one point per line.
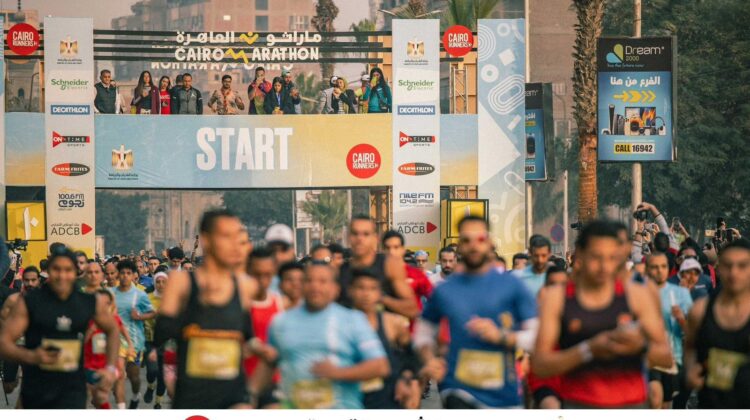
393 244
95 354
262 267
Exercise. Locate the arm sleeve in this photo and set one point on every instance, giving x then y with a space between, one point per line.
174 103
144 303
431 310
366 342
636 252
661 221
525 303
198 103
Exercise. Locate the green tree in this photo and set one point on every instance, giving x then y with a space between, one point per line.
467 12
364 25
330 211
122 221
325 13
261 208
587 29
414 9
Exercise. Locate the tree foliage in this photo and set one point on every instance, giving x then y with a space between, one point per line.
122 221
326 12
329 211
261 208
467 12
309 87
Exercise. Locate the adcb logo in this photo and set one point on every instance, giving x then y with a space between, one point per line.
416 228
363 161
70 229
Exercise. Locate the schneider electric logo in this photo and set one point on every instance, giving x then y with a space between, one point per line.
72 84
422 84
631 54
416 110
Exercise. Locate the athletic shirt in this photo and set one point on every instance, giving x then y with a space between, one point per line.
261 314
377 269
62 324
725 356
95 350
380 392
605 384
210 374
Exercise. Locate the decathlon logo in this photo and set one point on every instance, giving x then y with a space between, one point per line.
416 110
70 109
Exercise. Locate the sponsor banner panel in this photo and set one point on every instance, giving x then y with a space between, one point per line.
416 133
539 132
272 151
501 143
2 128
69 132
25 141
635 99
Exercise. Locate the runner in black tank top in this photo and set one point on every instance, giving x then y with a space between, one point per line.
717 343
377 270
726 356
210 374
55 318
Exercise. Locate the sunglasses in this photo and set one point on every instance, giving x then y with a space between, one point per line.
479 238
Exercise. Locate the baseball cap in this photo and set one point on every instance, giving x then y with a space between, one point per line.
284 73
365 77
420 253
690 264
280 233
333 80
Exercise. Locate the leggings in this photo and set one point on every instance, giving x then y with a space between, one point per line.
155 370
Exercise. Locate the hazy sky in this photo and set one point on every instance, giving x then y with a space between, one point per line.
104 10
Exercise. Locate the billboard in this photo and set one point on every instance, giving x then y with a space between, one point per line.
539 130
501 143
635 109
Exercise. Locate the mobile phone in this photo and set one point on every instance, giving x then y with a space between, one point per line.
675 221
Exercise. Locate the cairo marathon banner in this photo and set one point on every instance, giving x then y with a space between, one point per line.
635 99
69 131
416 132
252 151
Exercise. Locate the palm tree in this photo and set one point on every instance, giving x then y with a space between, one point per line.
329 211
588 29
364 25
467 12
414 9
308 87
325 13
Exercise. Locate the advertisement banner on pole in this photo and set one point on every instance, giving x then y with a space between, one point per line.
416 131
539 131
502 141
69 132
2 133
635 110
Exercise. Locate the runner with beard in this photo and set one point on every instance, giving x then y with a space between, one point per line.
398 297
53 320
594 331
717 349
207 312
490 314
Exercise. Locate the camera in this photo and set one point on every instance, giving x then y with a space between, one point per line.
17 244
640 215
577 225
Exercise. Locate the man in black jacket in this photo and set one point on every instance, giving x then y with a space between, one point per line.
187 100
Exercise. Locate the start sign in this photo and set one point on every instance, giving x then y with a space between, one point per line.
458 40
23 39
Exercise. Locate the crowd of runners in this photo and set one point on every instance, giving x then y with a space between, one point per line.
646 321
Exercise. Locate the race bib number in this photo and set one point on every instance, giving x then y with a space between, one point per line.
722 368
213 358
481 369
373 385
313 394
69 355
99 343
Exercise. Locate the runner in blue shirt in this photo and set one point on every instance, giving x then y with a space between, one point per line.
665 384
535 273
324 350
489 315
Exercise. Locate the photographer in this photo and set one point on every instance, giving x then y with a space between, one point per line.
724 235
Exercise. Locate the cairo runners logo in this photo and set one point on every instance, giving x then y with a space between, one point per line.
416 169
363 161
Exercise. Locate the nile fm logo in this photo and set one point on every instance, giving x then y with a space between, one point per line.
616 55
